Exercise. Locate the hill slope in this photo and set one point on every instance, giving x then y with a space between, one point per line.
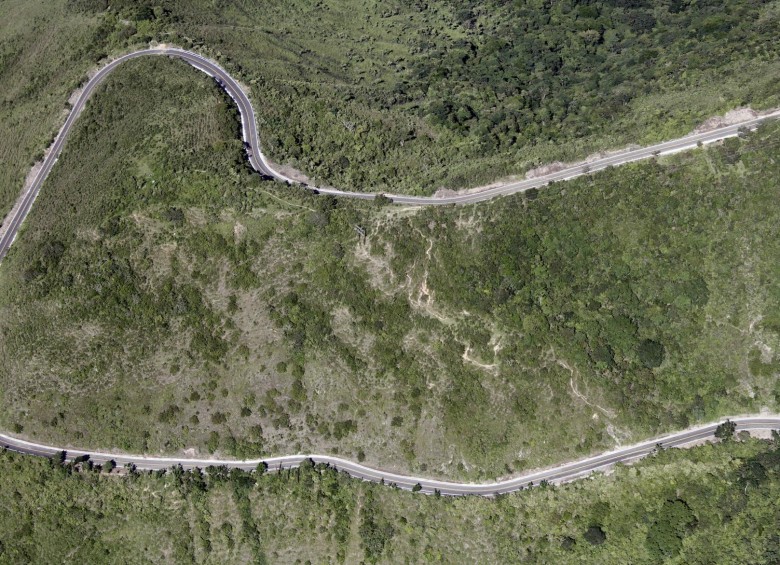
161 298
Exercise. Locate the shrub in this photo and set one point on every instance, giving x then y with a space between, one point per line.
651 353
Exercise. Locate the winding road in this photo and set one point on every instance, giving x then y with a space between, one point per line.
555 475
261 164
560 474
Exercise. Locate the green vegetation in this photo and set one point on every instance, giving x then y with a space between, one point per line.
161 298
44 50
405 96
709 504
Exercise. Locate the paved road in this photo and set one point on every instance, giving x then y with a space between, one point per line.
556 475
260 163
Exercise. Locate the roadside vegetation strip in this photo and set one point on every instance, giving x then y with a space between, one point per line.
673 507
560 474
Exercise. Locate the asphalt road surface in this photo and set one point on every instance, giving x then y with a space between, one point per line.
555 475
259 162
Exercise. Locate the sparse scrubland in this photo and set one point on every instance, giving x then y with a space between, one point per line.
710 504
163 298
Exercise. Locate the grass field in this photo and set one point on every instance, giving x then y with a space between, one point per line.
710 504
163 299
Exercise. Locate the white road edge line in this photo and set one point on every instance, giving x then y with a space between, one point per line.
558 474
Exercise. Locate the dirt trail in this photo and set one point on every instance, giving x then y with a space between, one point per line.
424 299
607 412
468 359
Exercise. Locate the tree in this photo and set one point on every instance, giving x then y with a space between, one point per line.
568 543
218 473
665 536
726 430
651 353
595 535
382 200
307 464
174 215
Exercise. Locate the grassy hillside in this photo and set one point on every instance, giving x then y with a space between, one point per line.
405 96
161 298
44 52
712 504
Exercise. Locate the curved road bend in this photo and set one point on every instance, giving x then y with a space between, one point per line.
561 474
260 163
